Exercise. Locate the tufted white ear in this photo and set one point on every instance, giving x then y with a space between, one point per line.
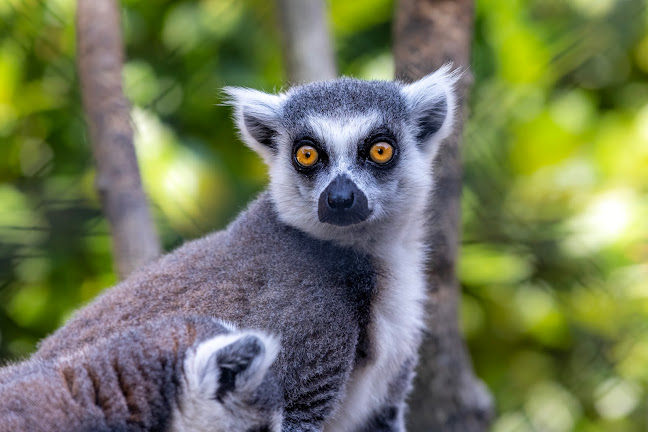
257 115
432 102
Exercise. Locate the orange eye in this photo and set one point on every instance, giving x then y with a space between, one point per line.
306 156
381 152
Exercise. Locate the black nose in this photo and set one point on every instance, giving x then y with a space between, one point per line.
341 198
342 203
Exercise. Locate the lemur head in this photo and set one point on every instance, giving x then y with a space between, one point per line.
228 386
349 159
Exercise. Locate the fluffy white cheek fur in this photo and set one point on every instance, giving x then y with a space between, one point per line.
295 203
404 196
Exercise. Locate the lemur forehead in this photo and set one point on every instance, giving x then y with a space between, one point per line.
343 98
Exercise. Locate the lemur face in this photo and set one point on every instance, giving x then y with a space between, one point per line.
348 157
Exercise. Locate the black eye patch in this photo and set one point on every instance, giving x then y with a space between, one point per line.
308 140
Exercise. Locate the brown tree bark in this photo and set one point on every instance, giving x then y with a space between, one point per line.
447 395
100 54
306 40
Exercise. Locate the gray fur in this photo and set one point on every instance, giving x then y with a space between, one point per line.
315 305
347 301
136 381
345 98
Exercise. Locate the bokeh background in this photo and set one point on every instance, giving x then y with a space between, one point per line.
554 261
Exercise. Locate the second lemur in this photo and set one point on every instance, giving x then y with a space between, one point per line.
180 374
330 258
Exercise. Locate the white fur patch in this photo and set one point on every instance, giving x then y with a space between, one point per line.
395 331
341 135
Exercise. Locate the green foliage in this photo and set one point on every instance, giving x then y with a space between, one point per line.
555 303
555 208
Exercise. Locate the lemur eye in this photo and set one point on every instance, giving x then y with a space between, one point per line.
306 156
381 152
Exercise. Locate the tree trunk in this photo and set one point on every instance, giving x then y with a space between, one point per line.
306 40
107 111
447 395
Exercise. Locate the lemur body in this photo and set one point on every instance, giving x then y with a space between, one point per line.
330 258
189 374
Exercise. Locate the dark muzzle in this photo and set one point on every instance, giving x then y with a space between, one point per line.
342 203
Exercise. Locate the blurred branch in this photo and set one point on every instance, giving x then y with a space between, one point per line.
447 396
100 54
306 39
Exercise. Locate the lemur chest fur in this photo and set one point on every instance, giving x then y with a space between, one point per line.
393 333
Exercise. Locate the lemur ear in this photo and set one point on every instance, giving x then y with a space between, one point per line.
431 102
257 116
233 363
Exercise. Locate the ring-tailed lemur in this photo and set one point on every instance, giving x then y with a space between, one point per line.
176 375
330 258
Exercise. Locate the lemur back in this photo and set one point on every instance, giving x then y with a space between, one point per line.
175 375
330 258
